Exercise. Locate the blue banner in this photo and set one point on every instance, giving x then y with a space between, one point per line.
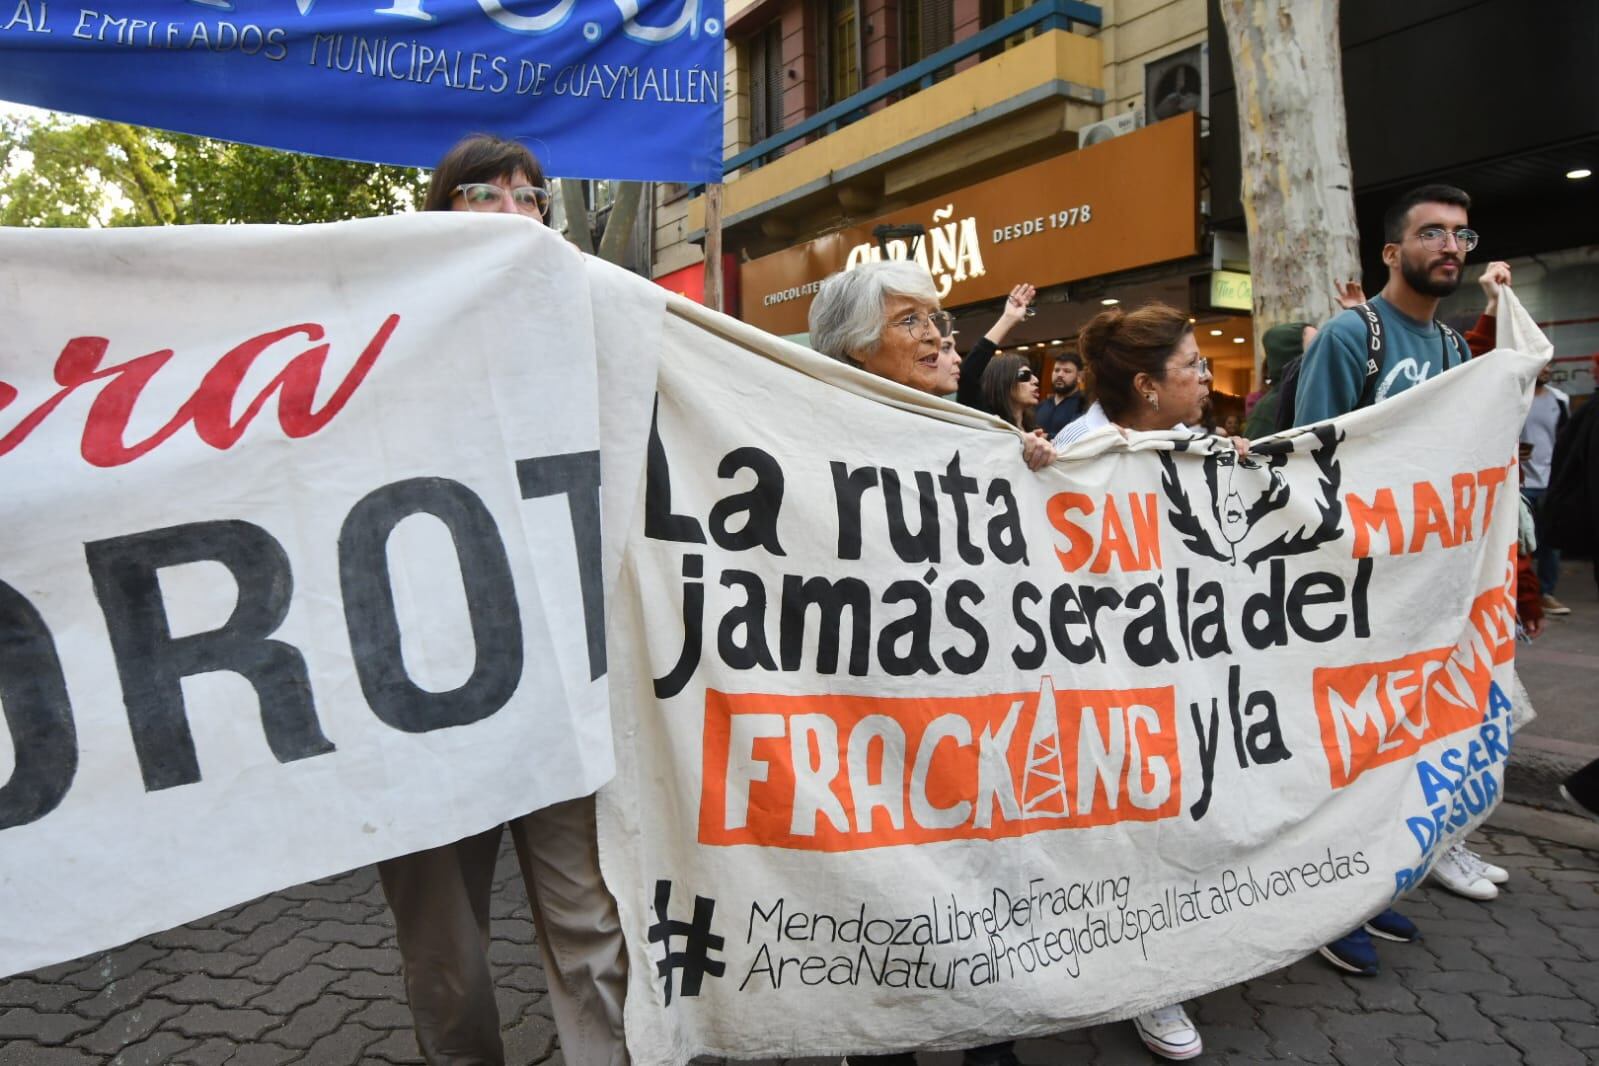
624 89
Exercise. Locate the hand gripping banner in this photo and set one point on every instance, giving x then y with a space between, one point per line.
917 749
623 89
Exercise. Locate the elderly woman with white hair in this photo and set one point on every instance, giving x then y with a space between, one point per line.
884 318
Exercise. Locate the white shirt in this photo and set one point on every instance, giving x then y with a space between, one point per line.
1092 419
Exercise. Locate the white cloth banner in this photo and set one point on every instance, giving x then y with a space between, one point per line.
302 565
917 749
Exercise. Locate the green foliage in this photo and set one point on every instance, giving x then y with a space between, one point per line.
61 171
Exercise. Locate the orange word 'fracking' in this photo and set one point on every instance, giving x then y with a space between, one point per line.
839 773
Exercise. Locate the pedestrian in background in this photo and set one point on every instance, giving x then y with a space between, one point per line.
1065 401
1017 307
1546 418
1009 389
1283 343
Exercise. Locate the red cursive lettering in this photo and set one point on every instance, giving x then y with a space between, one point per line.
210 409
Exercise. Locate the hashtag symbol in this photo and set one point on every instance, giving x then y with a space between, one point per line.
698 942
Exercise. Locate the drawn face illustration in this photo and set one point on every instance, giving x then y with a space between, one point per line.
1242 492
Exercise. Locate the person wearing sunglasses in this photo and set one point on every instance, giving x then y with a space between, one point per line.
440 897
1428 237
1009 389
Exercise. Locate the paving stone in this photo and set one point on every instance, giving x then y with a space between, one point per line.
222 991
366 936
48 996
296 990
283 960
1542 1043
267 936
160 1050
348 1044
253 915
1461 981
265 1055
19 1054
383 1015
41 1027
1581 1035
129 1027
397 1047
212 1052
1537 1008
1455 1053
361 985
207 1020
350 957
215 963
121 994
1293 1032
101 970
1385 993
1534 976
1458 1016
313 1022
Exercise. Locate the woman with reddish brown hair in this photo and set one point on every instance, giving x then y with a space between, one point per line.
1144 371
440 897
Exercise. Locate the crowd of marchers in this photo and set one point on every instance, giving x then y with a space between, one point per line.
1138 370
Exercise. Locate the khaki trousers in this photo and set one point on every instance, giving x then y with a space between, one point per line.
440 900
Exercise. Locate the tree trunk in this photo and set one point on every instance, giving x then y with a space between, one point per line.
577 215
618 235
1297 190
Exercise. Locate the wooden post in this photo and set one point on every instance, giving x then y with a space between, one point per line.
713 246
1297 188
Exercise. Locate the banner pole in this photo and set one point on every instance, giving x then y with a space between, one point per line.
713 246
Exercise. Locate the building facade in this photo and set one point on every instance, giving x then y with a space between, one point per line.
1057 143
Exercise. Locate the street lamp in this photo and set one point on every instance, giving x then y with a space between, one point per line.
909 231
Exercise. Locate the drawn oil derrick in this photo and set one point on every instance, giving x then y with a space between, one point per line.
1044 781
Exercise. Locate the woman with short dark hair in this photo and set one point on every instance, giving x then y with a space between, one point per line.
488 173
440 897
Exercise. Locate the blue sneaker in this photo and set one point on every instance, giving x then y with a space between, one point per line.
1353 954
1391 925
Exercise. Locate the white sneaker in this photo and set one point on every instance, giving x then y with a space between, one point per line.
1496 874
1460 872
1168 1033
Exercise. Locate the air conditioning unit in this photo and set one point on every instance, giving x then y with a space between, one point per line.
1103 130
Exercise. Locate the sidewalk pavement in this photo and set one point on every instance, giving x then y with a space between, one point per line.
310 975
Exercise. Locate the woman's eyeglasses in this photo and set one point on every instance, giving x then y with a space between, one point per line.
528 199
1025 374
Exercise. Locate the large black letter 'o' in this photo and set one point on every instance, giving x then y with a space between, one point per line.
33 697
375 628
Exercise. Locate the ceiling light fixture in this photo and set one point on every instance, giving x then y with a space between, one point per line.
1216 332
1579 173
1238 340
1110 301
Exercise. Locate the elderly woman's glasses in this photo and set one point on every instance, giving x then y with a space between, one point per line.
528 199
941 322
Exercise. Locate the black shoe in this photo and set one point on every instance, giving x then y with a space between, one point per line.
1581 789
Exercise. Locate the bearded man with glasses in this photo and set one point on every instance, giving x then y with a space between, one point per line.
1427 240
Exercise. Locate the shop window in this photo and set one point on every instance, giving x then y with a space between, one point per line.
766 83
839 51
927 26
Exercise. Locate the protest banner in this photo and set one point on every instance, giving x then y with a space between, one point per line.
623 89
917 749
303 562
